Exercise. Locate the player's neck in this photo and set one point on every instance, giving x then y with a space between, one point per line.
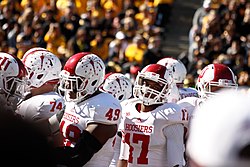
149 108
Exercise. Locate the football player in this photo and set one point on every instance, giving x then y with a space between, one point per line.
212 78
91 117
43 73
120 87
43 101
152 128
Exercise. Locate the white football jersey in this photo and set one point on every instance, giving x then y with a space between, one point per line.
177 94
190 103
154 138
41 106
102 108
188 92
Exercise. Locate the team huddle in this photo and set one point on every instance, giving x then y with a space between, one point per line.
95 119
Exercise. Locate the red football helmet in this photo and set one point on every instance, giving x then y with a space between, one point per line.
13 76
155 91
82 74
118 85
214 77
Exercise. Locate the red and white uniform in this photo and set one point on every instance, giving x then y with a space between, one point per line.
41 106
102 108
154 138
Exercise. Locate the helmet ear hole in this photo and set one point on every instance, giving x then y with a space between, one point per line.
39 76
94 83
120 97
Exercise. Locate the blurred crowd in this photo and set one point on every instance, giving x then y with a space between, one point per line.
220 34
128 34
121 32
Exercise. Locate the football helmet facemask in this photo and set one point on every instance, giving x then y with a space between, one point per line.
82 74
13 78
153 84
213 77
